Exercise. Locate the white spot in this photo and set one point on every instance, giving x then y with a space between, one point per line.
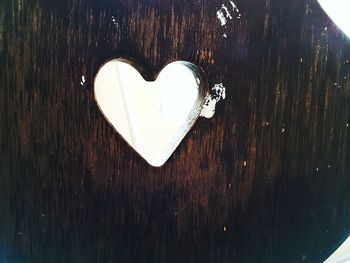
347 125
218 93
114 21
224 35
283 130
82 82
337 85
317 169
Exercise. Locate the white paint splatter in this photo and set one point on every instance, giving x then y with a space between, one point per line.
235 9
224 14
228 15
224 35
218 93
221 17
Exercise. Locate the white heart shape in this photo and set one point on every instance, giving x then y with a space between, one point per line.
338 11
152 116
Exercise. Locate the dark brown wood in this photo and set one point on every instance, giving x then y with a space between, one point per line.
265 180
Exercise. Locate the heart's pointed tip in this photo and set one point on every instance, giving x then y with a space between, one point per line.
155 160
156 163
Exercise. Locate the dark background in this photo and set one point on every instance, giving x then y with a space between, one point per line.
71 190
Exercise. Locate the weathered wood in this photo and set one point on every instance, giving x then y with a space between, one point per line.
265 180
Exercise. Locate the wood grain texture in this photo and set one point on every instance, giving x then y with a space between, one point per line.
265 180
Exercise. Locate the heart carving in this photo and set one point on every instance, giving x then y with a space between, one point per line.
338 10
152 116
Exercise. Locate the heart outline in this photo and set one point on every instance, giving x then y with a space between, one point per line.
202 89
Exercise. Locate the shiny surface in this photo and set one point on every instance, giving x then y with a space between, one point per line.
338 10
152 116
265 180
342 254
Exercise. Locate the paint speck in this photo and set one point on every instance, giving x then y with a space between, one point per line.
283 130
301 60
114 20
245 163
229 185
224 35
329 166
336 84
218 93
317 169
347 125
325 28
82 82
225 228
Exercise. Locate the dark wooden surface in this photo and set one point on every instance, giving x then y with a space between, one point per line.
265 180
